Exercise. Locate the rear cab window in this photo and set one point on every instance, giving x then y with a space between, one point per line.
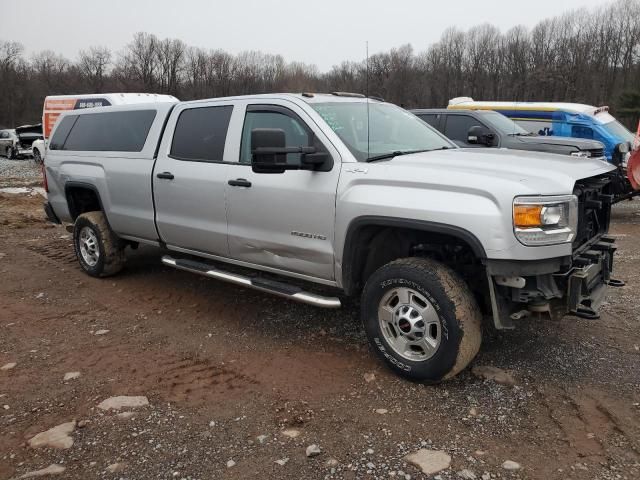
62 132
431 118
200 134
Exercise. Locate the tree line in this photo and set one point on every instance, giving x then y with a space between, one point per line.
587 56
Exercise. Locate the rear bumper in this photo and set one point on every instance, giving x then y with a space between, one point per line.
24 151
51 215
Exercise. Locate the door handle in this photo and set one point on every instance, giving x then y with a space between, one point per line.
167 175
240 182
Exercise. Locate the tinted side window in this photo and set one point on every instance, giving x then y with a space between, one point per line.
430 118
296 135
458 126
535 126
110 131
579 131
62 132
201 133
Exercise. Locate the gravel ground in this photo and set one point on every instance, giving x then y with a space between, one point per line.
241 383
25 168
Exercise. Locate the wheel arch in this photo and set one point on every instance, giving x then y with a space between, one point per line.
83 197
363 229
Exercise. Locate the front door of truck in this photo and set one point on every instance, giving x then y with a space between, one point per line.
283 221
190 178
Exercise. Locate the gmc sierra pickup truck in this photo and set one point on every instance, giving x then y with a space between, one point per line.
318 196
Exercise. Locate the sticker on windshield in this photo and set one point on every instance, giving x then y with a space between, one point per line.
329 116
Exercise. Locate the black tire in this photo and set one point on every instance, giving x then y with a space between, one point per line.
36 156
111 256
457 311
10 153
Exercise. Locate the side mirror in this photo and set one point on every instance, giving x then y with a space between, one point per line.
620 152
266 154
478 135
269 153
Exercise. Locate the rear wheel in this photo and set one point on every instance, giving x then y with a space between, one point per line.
36 156
99 251
421 319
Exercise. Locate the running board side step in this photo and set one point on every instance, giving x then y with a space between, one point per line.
265 285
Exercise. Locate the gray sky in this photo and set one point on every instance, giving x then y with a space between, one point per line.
323 32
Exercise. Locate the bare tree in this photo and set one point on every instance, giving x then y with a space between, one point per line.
586 56
94 66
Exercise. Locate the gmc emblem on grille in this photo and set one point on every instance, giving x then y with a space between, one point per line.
309 235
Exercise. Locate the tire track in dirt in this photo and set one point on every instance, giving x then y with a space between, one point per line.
586 425
193 380
190 381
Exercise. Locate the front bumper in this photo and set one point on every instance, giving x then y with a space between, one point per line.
557 287
587 281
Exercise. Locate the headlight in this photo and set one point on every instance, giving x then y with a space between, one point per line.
580 153
545 220
623 147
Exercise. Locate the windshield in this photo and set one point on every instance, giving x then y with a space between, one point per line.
503 124
616 129
391 129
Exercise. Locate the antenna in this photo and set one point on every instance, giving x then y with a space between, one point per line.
367 94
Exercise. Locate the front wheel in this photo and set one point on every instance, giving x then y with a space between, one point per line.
99 251
11 153
421 319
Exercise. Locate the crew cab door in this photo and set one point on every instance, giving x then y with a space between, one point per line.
190 178
283 221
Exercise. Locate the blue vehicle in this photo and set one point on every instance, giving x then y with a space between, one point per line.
568 120
561 120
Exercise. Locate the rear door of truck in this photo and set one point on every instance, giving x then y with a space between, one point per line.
190 176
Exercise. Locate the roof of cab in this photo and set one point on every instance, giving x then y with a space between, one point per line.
305 97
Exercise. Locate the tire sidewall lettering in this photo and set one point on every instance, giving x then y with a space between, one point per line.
390 358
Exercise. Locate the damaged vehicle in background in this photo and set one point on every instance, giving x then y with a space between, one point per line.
17 143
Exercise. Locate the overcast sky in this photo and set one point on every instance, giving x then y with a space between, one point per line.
323 32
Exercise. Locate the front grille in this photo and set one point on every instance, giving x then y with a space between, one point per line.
594 209
596 152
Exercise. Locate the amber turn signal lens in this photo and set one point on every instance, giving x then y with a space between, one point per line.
527 216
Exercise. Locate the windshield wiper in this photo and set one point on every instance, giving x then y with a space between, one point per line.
397 153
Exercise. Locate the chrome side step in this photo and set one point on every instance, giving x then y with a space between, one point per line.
265 285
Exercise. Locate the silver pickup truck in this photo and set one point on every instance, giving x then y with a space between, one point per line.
317 196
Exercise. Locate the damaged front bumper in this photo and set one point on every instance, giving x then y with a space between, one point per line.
555 287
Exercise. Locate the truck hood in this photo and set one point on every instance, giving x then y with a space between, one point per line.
579 143
510 172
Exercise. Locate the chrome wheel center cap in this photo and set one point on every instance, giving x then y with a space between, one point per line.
410 322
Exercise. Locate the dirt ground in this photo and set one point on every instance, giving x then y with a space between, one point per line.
227 370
